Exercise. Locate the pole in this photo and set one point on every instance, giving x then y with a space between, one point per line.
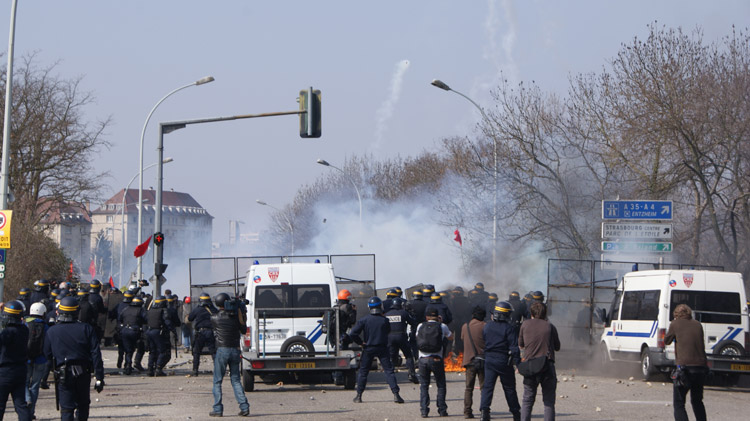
6 124
159 249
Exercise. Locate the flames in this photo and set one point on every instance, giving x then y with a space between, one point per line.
454 363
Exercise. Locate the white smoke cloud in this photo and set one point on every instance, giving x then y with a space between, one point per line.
385 112
501 56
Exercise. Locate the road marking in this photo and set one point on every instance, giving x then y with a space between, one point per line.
646 402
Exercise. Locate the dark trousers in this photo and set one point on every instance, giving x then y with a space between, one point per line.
140 349
159 350
203 337
548 380
435 366
471 376
129 338
75 395
494 367
697 378
368 355
13 383
398 343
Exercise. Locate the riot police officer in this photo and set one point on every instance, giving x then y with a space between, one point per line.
13 342
41 291
75 354
417 307
519 309
97 305
24 298
172 301
390 295
130 321
478 296
86 312
400 292
374 328
461 314
140 344
490 307
500 354
114 314
436 302
204 334
159 325
397 338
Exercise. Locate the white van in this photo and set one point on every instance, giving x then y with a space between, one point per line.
643 306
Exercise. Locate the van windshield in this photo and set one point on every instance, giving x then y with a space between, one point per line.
288 298
709 306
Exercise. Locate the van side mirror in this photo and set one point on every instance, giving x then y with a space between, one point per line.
600 315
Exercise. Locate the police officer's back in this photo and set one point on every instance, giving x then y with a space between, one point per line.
41 291
436 302
159 325
519 309
200 317
25 299
417 306
490 306
130 321
13 341
478 296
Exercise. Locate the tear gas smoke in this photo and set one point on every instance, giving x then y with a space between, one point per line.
385 112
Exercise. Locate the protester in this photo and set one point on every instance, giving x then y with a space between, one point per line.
690 357
227 327
473 341
538 338
37 362
430 338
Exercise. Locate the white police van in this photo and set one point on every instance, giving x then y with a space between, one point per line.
643 307
286 306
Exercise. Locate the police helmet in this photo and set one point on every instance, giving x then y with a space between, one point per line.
479 285
399 291
127 297
458 291
82 292
204 299
159 302
14 310
172 300
220 299
502 312
41 285
514 295
428 289
375 304
527 297
95 284
397 303
38 309
64 293
136 302
492 297
436 298
344 295
443 294
67 309
417 294
538 296
24 291
391 293
54 293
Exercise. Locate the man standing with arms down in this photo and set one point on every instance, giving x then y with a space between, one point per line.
228 325
501 353
538 338
690 355
471 334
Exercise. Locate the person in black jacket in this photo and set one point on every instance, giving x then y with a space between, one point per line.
114 314
436 302
13 342
501 353
416 307
130 321
228 326
397 339
159 325
97 304
41 291
204 333
23 298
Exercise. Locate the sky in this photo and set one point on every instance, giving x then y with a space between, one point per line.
372 61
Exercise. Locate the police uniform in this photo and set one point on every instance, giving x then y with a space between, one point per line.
519 309
13 340
41 291
445 313
501 353
478 296
397 338
417 307
75 354
159 325
98 307
114 315
204 334
23 297
130 321
374 329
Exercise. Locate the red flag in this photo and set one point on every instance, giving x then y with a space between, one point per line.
458 238
142 248
92 269
111 284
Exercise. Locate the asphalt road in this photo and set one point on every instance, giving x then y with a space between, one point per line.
581 395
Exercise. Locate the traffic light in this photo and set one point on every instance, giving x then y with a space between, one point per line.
309 120
159 269
158 239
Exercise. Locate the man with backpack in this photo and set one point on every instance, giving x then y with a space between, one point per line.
430 337
36 368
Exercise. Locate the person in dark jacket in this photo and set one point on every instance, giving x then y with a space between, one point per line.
13 342
436 302
374 329
130 320
490 306
97 304
74 348
228 327
478 296
690 355
41 291
400 319
416 307
476 324
462 313
159 326
24 298
200 317
501 353
519 309
538 338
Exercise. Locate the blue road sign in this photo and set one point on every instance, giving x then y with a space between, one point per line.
637 209
2 255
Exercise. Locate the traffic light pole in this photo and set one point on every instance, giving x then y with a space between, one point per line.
165 128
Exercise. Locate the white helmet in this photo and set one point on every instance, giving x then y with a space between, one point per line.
38 309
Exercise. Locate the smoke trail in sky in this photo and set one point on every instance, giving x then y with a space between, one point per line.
385 112
502 56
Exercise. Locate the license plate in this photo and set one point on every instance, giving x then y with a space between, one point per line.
740 367
300 365
275 336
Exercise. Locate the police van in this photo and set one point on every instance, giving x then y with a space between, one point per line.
287 304
643 307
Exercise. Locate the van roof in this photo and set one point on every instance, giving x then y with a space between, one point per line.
671 271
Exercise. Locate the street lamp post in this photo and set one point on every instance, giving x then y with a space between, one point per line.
440 84
291 227
122 216
359 197
198 82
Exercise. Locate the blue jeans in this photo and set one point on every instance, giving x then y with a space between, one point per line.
232 357
435 366
34 375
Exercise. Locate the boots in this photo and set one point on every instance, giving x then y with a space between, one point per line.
516 416
358 398
138 366
397 398
486 415
119 360
128 369
151 372
413 377
160 372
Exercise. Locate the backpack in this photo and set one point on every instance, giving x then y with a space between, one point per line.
36 339
430 337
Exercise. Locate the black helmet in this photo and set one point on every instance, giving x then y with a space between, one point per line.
136 301
54 293
428 289
95 284
527 297
41 285
502 311
67 309
538 296
375 305
417 295
14 310
458 291
204 299
24 291
492 297
63 293
399 291
159 302
479 285
397 303
514 295
220 299
83 291
127 297
391 293
436 298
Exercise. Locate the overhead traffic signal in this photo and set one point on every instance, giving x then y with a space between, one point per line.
158 239
309 120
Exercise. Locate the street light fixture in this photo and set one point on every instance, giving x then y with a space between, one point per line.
442 85
291 228
348 177
198 82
